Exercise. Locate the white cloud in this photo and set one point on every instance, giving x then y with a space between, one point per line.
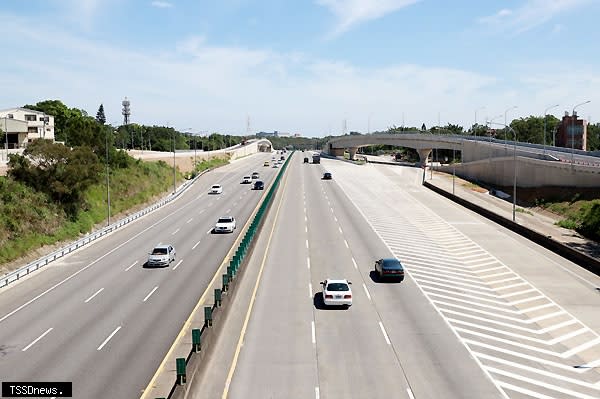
161 4
531 14
353 12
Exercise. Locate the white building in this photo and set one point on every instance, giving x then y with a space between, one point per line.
24 125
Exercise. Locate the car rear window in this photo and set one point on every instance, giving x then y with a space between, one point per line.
224 220
337 287
159 251
216 186
391 264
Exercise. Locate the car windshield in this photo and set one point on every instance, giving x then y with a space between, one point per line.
391 264
337 287
216 186
224 220
159 251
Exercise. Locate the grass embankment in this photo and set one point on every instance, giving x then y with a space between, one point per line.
30 220
580 215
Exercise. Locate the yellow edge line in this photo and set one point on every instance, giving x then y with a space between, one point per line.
188 322
252 299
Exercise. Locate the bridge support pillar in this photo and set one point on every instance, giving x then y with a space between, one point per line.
423 155
336 152
352 151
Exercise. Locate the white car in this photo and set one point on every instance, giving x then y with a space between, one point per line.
225 224
246 180
275 165
161 255
337 293
216 189
255 175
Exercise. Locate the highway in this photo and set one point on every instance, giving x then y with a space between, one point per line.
98 318
482 313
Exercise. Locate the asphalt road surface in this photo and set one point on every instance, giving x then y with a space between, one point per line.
101 320
483 313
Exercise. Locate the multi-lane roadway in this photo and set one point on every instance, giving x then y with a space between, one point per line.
98 318
481 314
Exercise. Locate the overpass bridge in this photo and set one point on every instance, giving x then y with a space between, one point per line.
490 160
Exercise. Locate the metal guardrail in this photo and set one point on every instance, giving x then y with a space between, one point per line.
41 262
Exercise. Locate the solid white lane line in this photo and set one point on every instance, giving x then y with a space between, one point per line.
92 297
313 333
189 220
387 339
306 244
410 393
178 263
37 339
346 242
317 393
132 265
108 338
310 294
151 292
308 263
195 245
367 291
354 262
175 232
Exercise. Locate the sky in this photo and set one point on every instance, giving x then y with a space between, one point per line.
313 67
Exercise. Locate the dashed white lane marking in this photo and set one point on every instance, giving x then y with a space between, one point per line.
189 220
306 244
313 332
175 232
228 210
335 218
306 229
305 218
92 297
151 292
178 263
195 245
410 393
37 339
201 211
331 210
308 263
367 291
354 263
340 230
387 339
234 204
310 293
132 265
208 232
317 394
108 338
346 243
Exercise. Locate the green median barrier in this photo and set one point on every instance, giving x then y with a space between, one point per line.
180 366
229 273
196 339
218 298
225 282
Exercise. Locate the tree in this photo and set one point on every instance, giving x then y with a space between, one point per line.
100 117
61 113
593 137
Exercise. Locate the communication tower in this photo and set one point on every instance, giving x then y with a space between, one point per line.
126 111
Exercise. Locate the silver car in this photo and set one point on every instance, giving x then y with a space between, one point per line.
161 255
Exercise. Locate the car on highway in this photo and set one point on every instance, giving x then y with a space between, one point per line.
281 158
337 292
305 159
259 185
389 268
255 175
266 163
216 189
246 180
161 255
327 176
275 165
225 224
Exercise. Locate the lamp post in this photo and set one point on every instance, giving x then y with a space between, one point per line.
505 123
545 113
514 210
6 136
489 123
174 170
107 178
573 131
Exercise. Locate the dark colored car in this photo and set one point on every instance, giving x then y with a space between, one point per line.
389 268
259 185
282 158
327 176
305 159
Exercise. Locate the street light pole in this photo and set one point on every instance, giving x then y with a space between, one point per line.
478 109
174 172
573 132
505 123
545 113
107 179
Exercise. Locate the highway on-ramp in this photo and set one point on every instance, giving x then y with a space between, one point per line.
101 320
483 313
